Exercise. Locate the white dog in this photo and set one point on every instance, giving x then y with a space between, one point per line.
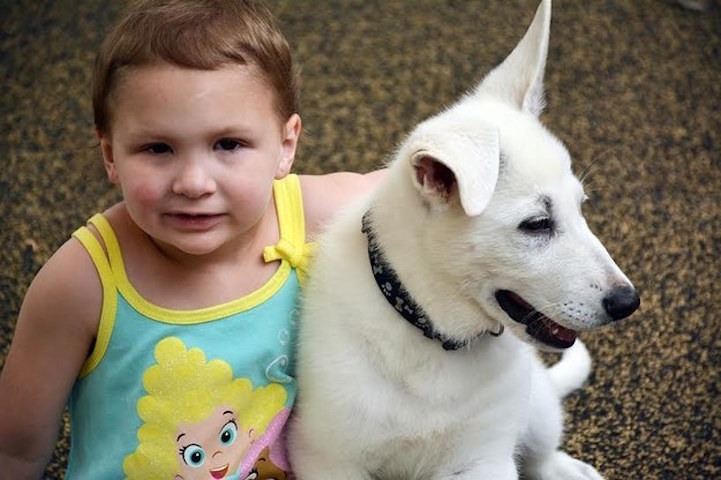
425 303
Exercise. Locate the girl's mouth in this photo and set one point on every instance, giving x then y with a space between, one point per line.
194 221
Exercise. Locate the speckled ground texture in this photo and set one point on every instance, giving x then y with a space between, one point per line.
634 90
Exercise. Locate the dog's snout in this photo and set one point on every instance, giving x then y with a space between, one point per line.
621 302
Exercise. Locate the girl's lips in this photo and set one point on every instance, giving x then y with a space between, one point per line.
188 221
219 472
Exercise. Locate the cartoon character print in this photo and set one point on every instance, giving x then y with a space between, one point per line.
199 422
265 469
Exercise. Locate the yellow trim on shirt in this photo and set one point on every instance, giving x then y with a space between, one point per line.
292 246
291 250
185 317
109 305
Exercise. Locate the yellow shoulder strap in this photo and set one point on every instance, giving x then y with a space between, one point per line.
109 305
111 242
292 246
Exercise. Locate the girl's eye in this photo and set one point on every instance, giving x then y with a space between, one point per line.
228 433
158 148
194 456
228 144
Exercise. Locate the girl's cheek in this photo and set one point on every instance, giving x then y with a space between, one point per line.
147 193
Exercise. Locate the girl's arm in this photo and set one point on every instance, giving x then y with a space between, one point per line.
55 331
325 195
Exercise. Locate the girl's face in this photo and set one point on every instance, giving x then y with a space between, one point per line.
195 153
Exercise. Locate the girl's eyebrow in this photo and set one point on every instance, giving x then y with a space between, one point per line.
226 413
179 437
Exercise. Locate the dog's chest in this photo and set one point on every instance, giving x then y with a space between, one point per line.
435 409
425 376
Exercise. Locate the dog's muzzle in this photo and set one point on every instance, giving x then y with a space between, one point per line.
538 326
618 304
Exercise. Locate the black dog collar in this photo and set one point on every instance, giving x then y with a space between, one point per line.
398 296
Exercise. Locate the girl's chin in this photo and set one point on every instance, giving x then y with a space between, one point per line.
178 248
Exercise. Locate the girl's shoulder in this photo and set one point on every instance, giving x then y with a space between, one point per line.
326 195
65 297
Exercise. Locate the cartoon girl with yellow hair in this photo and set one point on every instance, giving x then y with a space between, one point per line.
199 422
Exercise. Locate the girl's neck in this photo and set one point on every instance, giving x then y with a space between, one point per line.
172 279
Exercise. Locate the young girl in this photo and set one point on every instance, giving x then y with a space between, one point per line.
168 321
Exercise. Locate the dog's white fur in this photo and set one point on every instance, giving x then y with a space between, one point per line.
377 399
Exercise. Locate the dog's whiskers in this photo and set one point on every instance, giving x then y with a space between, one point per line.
552 309
588 169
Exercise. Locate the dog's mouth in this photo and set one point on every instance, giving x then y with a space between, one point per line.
538 326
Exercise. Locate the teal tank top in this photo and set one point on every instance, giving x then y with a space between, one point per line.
169 394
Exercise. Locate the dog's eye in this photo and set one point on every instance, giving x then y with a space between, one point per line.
536 225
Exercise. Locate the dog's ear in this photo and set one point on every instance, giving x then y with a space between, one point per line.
519 79
452 166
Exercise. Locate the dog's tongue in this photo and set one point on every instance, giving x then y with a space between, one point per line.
559 332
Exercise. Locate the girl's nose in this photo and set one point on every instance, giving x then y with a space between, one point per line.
193 179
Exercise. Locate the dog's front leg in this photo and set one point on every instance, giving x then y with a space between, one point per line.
561 466
480 452
327 468
542 459
309 463
504 469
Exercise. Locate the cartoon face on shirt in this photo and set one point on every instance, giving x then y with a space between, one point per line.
198 419
212 448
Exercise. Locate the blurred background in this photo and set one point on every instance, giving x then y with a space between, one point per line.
633 89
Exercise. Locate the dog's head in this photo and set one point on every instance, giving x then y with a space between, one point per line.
491 176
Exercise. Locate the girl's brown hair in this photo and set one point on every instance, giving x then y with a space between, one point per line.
197 34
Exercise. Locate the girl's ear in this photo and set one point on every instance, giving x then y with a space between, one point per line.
107 150
291 134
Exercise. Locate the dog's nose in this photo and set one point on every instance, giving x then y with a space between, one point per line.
621 302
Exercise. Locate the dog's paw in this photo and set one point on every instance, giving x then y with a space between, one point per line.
561 466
